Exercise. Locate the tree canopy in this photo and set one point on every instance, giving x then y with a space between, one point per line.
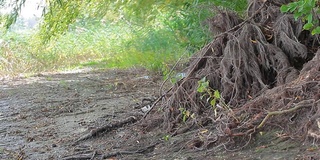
58 15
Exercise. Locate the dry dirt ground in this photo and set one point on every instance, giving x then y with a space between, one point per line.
43 116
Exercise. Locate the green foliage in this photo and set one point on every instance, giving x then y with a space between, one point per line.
157 44
203 85
206 90
143 13
165 138
186 114
307 10
93 33
95 44
60 15
213 95
25 53
10 19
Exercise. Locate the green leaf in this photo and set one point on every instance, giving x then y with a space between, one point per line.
308 26
213 102
203 85
301 9
307 9
316 31
216 94
293 9
309 18
284 8
293 6
312 3
200 89
184 119
203 80
297 15
166 137
302 5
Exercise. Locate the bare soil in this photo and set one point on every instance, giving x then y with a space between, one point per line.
43 117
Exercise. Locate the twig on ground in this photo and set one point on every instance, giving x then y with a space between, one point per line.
106 128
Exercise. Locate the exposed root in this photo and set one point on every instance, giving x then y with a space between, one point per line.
263 63
305 103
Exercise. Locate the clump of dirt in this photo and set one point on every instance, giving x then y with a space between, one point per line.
266 70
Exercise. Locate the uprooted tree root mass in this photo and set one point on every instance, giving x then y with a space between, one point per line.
267 70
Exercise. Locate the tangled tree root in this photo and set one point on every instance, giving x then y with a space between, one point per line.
267 70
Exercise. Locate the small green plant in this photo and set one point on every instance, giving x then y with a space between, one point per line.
186 114
166 137
203 87
307 11
213 95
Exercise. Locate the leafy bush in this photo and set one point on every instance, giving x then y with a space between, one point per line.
308 11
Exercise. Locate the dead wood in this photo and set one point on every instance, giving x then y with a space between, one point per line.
107 128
